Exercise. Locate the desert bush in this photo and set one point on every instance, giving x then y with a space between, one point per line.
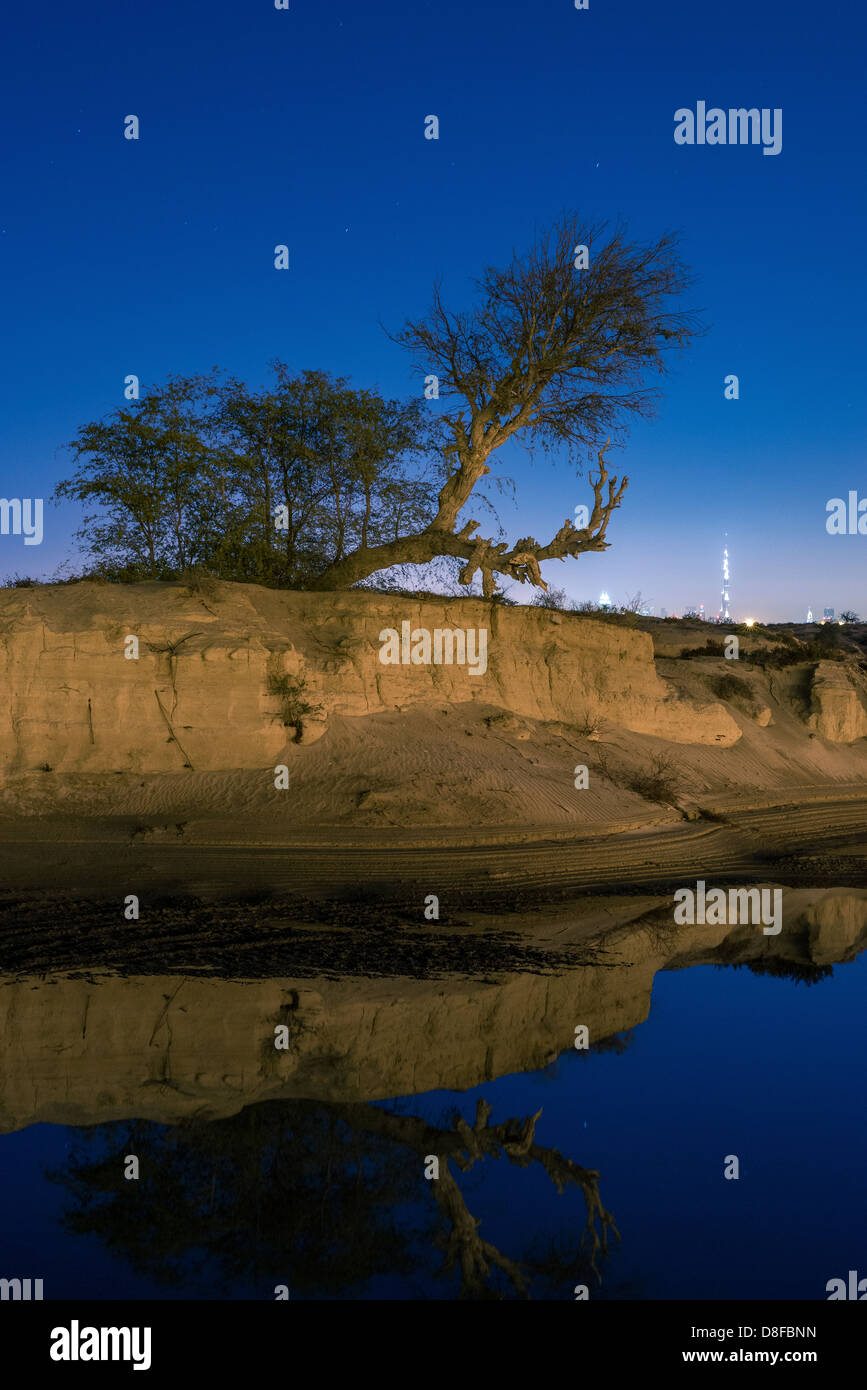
19 581
623 616
730 687
587 724
601 764
201 581
793 656
658 782
637 604
551 598
790 654
609 615
294 706
712 647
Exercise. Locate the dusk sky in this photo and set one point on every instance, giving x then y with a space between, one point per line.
306 127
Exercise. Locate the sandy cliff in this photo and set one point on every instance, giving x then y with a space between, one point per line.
153 766
836 710
198 695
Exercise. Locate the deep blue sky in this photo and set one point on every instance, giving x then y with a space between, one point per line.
305 126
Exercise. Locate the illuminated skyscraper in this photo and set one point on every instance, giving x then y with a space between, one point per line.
724 603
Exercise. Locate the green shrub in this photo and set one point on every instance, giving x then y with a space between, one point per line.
19 581
294 706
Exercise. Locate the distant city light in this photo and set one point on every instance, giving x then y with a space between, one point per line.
725 611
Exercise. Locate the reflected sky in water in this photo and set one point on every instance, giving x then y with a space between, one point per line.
729 1062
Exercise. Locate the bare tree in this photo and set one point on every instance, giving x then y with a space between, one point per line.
552 355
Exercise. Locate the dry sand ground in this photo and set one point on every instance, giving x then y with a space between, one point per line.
811 839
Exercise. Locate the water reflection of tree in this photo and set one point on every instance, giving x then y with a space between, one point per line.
802 973
465 1145
312 1195
282 1192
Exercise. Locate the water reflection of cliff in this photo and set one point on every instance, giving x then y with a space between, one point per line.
310 1186
88 1050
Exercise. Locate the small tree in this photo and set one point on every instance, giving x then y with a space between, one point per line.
144 468
270 486
636 603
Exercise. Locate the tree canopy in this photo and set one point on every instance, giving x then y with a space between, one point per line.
270 486
316 483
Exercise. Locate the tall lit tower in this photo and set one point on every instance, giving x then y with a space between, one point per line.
724 605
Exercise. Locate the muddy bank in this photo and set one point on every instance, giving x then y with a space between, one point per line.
812 840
